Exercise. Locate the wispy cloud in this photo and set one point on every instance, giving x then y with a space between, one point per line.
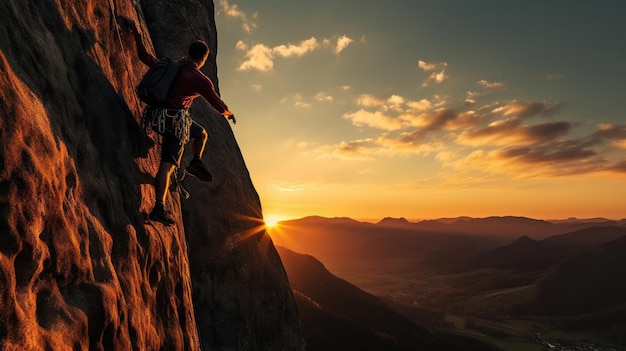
297 100
323 97
484 88
342 43
511 132
261 57
233 11
439 74
297 50
527 109
375 119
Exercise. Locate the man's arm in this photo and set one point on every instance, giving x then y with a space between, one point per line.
218 104
143 54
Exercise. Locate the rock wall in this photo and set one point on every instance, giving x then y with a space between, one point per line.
80 267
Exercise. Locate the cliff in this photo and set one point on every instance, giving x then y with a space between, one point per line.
80 267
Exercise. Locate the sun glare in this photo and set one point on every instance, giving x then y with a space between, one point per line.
271 221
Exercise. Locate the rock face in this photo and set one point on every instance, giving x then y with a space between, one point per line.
80 267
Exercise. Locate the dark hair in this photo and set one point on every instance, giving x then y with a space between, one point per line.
198 49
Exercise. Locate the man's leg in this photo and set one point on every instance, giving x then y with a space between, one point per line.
171 152
199 142
162 181
196 166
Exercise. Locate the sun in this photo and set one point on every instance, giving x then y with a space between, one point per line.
271 221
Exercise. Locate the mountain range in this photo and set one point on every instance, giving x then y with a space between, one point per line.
568 273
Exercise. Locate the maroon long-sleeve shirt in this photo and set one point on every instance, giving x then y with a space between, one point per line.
188 85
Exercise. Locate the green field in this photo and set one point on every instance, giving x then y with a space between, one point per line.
499 302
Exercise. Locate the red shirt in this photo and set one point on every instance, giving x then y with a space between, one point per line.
189 84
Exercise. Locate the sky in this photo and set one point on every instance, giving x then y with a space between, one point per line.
425 109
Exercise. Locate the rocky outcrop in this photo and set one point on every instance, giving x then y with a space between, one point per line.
80 267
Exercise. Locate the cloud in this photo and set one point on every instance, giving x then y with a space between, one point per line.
408 144
486 88
480 142
393 102
371 148
352 150
431 121
490 85
619 167
614 132
233 11
511 132
376 119
338 43
297 101
324 97
544 151
297 50
420 106
544 161
527 109
436 77
342 43
426 66
261 57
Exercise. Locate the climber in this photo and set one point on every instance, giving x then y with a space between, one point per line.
189 84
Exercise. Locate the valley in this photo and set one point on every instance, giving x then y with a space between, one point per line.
513 292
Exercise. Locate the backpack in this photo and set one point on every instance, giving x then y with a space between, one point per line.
156 83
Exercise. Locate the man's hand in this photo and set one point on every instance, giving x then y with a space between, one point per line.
128 26
229 116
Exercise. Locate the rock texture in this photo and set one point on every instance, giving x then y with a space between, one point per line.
80 268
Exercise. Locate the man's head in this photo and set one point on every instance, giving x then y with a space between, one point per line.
199 52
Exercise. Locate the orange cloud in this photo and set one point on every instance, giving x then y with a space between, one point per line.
436 77
374 119
527 109
511 132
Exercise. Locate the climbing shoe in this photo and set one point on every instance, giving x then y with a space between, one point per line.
160 214
198 169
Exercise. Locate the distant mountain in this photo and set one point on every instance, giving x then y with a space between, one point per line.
512 226
388 221
525 254
337 315
428 244
590 281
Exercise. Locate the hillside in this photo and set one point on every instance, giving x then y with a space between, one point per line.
525 254
590 281
337 315
80 267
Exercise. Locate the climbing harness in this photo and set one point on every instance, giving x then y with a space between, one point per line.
177 122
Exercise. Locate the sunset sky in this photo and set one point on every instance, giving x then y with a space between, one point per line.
430 108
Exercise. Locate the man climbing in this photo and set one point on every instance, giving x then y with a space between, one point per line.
189 84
